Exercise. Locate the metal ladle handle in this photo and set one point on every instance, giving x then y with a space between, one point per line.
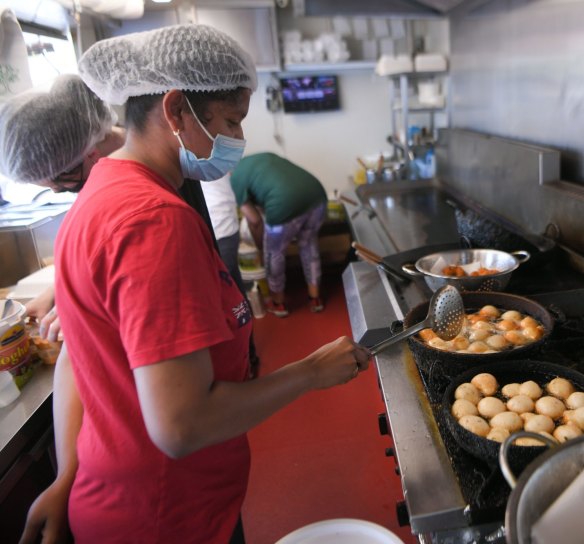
400 336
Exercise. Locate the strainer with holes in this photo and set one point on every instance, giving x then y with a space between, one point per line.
445 318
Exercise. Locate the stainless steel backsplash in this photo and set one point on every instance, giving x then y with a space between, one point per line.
518 181
517 72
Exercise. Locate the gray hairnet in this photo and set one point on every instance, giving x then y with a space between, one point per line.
43 134
185 57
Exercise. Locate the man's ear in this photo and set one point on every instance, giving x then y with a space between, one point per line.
173 109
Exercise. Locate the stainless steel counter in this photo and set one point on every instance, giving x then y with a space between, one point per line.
406 216
432 495
26 418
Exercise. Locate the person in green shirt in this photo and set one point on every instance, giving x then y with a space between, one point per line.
282 202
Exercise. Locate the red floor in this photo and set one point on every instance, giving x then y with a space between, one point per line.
322 457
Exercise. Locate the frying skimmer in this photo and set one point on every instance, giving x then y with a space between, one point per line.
445 317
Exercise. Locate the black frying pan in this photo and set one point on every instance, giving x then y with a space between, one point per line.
510 371
448 364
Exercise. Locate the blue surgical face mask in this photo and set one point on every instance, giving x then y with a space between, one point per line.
225 155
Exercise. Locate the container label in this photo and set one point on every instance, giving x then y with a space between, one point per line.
14 347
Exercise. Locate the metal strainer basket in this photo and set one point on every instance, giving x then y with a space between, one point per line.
431 268
445 317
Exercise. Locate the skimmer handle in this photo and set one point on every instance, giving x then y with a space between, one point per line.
400 336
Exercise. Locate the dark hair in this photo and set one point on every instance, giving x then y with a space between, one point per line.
139 107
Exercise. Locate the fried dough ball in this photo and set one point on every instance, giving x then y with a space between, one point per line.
507 420
427 334
489 311
528 322
531 389
567 417
478 335
486 383
474 318
520 404
482 325
540 423
550 406
566 432
575 400
475 424
533 333
507 325
510 390
577 417
548 435
517 338
468 391
498 434
463 407
497 342
490 407
438 343
560 387
478 347
459 343
511 315
528 441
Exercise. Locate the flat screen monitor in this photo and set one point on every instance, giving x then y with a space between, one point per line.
313 93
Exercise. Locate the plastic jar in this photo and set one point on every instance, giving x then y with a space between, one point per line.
15 345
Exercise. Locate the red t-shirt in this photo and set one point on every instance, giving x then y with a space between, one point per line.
138 282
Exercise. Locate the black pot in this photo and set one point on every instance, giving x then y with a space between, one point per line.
505 372
446 364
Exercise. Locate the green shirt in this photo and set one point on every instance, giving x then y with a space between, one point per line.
273 183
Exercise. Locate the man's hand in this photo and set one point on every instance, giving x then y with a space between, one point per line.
47 517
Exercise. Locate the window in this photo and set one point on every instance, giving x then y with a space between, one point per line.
48 57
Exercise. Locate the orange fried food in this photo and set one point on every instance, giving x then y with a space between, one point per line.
427 334
485 272
453 270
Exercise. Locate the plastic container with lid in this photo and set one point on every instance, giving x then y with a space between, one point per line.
14 350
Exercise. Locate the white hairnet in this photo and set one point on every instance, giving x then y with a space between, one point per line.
46 133
186 57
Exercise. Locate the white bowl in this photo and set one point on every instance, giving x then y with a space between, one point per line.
341 531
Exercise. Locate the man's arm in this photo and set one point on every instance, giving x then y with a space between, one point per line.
48 514
255 223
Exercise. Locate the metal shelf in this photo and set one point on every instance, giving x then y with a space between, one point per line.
401 104
419 75
328 66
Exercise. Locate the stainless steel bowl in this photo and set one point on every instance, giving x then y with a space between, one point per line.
431 266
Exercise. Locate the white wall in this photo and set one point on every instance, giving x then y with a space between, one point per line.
327 143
